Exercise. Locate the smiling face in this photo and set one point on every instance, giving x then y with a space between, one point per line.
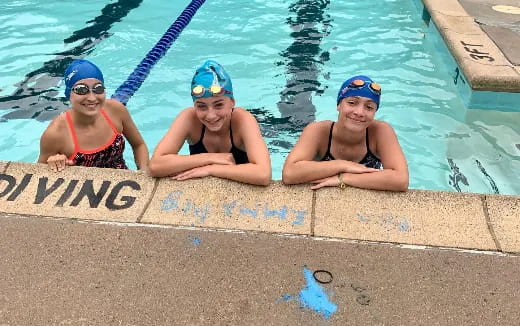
90 103
214 112
356 112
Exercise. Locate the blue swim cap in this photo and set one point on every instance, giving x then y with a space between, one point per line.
211 73
78 70
364 91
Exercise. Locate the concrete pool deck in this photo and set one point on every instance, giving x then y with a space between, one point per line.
484 42
112 247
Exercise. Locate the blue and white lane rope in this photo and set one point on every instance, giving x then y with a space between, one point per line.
137 77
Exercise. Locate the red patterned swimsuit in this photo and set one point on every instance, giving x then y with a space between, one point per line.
109 155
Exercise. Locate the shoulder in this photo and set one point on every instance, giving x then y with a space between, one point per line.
243 121
187 118
240 114
186 123
318 128
54 134
115 109
57 126
188 113
380 128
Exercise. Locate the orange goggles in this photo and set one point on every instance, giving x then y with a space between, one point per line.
359 83
214 90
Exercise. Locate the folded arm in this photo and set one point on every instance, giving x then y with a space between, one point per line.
300 166
395 174
166 162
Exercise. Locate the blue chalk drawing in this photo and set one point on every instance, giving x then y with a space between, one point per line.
287 297
194 240
313 297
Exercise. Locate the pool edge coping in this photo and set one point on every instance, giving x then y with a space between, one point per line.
489 220
500 75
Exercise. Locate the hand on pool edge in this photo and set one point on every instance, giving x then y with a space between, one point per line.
58 162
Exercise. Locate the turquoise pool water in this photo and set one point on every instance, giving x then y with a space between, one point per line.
287 59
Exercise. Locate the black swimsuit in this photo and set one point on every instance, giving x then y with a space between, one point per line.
239 155
370 160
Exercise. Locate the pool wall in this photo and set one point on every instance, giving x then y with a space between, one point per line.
483 76
429 218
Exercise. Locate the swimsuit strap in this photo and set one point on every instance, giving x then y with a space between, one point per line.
107 118
202 133
72 133
231 135
230 131
367 142
330 138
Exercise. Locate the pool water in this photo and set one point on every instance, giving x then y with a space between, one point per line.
287 60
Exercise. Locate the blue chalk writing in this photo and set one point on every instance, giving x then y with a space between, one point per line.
171 202
281 213
247 211
201 212
362 218
300 216
228 208
400 223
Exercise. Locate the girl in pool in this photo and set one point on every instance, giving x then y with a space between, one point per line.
224 140
356 150
91 132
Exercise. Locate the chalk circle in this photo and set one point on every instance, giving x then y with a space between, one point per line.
507 9
325 280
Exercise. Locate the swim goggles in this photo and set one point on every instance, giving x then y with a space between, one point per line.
359 83
214 90
82 89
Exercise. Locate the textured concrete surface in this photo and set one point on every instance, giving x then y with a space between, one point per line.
416 217
486 59
217 203
501 27
65 272
99 194
504 214
507 40
3 165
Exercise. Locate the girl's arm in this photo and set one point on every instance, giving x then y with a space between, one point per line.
51 145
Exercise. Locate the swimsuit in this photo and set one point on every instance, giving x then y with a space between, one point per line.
370 160
239 155
109 155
